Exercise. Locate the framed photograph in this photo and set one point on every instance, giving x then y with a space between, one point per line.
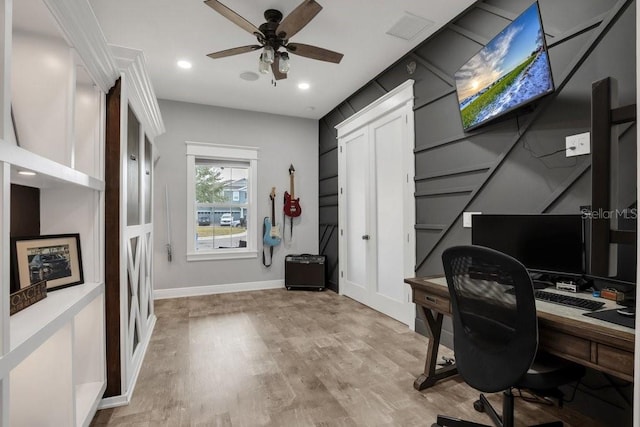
56 259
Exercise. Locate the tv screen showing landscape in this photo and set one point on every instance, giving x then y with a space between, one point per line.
510 71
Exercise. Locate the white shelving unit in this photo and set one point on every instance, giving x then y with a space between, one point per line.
55 69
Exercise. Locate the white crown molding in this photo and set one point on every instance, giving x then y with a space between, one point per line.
82 30
398 97
142 97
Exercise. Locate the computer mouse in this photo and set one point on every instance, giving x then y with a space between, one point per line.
627 311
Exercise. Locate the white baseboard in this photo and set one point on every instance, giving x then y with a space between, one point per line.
114 401
124 399
216 289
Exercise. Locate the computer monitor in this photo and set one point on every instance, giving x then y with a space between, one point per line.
543 243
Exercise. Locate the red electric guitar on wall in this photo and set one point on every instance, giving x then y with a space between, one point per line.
291 204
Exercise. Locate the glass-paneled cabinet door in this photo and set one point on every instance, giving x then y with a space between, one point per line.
147 181
133 169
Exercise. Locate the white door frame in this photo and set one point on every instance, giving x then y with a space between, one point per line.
401 98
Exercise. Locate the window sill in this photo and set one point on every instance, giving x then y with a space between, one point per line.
221 255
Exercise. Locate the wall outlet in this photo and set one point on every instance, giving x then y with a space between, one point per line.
466 218
579 144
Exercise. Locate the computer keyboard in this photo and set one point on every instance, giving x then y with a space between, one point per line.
585 304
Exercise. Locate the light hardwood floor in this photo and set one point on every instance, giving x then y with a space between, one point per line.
298 358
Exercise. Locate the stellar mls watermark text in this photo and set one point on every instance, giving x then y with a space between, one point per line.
631 213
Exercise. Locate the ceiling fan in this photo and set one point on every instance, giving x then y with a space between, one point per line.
275 34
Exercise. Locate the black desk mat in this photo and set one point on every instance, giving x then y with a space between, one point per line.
613 317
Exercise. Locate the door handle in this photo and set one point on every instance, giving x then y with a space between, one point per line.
365 237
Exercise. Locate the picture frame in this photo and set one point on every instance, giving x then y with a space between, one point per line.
54 258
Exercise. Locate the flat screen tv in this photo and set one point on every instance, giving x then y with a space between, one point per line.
510 71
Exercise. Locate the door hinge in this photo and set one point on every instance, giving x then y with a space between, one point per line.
340 148
341 232
342 274
340 190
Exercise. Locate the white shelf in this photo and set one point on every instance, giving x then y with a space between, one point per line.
34 325
52 356
88 396
50 173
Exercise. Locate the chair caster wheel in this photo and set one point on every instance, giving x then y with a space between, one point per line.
478 405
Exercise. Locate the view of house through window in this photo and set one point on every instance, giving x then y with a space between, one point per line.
221 204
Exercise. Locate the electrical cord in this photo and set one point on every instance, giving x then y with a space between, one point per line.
543 400
533 154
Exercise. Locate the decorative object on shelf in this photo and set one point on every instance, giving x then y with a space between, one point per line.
54 258
25 297
275 34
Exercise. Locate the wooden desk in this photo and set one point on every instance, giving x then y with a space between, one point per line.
562 331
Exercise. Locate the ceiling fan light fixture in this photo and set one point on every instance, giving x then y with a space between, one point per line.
284 63
268 55
275 34
263 66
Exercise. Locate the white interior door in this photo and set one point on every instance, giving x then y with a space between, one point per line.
356 274
377 211
386 227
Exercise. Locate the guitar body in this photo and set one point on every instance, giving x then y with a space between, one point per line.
270 238
271 230
291 206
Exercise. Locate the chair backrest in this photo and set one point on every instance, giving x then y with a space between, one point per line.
494 316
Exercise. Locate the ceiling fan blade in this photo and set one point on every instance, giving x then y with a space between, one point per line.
298 18
276 71
314 52
232 16
234 51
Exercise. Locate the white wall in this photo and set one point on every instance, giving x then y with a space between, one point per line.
282 141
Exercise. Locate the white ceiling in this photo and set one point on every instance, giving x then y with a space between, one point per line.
170 30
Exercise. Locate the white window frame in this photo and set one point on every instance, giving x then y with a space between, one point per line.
230 153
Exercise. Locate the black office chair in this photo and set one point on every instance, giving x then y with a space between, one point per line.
496 332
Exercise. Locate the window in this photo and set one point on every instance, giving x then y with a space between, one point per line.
221 197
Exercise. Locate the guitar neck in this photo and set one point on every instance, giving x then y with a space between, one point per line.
291 185
273 210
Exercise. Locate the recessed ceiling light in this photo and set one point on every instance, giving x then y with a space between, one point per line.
184 64
27 173
249 76
303 86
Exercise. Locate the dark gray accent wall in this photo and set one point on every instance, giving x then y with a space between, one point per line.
497 168
501 167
